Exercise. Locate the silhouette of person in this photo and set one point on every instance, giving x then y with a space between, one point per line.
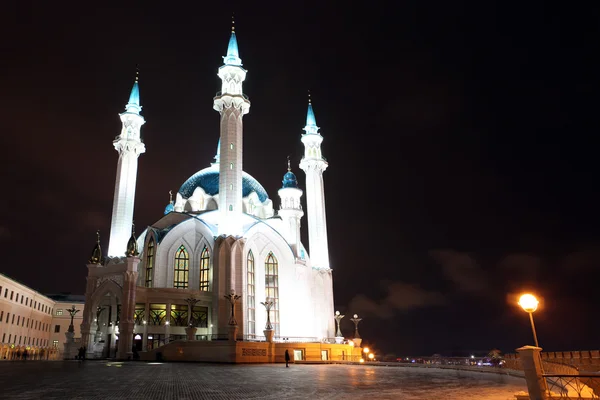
287 358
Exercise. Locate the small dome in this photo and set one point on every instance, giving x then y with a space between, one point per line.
132 249
169 208
289 180
96 257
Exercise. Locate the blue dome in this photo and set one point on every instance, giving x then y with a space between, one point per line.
169 208
208 179
289 180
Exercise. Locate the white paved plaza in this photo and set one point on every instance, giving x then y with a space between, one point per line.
181 381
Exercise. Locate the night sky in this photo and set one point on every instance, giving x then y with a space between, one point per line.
460 138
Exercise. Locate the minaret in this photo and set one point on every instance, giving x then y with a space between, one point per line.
232 104
130 146
313 164
290 210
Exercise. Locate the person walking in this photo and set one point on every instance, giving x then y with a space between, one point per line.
287 358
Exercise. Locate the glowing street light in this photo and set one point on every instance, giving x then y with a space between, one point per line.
371 356
529 304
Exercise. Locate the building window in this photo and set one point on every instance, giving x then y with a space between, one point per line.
231 146
231 186
158 312
204 270
272 289
13 319
55 343
56 328
181 268
230 165
59 312
230 207
150 263
251 294
1 315
5 292
17 298
12 292
138 314
179 315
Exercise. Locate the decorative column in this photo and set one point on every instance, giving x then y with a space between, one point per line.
339 338
126 319
268 303
357 340
233 326
190 331
534 374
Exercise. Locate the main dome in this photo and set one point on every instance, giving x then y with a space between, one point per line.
208 180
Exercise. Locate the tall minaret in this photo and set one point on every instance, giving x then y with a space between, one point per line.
313 164
130 146
232 104
290 210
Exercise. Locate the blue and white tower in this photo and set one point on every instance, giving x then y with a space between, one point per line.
313 164
232 104
290 209
129 146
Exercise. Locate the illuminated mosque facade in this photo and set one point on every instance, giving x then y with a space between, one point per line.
220 256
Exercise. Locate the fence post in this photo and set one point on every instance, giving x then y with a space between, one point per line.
532 366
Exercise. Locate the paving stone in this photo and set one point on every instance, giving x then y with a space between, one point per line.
103 380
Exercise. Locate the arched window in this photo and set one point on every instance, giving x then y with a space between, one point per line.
272 289
204 270
181 268
149 263
251 294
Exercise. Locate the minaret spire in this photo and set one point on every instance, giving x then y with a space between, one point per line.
133 105
313 164
233 54
231 104
129 146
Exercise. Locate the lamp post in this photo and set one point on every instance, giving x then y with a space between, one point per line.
232 297
529 304
357 339
338 335
366 351
72 311
190 330
233 328
268 303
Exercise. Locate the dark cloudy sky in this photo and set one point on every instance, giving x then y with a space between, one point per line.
460 138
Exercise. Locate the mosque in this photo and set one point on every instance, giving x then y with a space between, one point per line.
222 267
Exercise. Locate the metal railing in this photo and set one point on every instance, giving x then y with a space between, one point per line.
573 386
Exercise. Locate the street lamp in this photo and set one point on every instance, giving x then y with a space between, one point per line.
529 304
338 317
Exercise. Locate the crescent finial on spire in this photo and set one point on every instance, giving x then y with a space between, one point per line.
170 196
137 72
289 165
232 23
309 101
98 236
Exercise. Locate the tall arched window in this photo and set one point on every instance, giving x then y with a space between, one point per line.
149 263
204 270
181 268
272 289
251 295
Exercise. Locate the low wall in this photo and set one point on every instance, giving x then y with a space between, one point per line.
583 360
224 351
